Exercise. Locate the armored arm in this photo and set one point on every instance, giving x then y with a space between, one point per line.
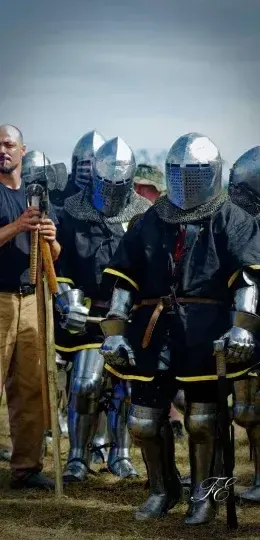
70 304
126 266
116 349
69 301
240 339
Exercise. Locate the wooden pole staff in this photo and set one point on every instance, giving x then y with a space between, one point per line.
46 285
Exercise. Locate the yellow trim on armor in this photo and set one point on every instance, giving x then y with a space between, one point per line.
65 280
233 278
128 377
212 377
237 272
123 276
87 302
78 348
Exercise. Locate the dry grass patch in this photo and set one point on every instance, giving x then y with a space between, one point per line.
102 508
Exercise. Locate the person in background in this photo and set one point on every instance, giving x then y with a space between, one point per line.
149 182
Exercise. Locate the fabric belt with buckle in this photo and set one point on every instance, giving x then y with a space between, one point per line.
23 290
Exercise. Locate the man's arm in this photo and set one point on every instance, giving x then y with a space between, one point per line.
55 250
54 245
28 221
48 231
7 233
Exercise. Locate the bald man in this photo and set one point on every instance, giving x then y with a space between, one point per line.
19 356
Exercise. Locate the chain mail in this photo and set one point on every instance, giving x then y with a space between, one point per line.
80 207
172 214
244 200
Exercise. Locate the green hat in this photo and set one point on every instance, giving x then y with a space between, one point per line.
150 175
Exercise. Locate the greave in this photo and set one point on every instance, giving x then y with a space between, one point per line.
247 415
253 493
119 460
81 431
99 453
154 435
86 387
204 454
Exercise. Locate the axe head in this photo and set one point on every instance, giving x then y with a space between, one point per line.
56 176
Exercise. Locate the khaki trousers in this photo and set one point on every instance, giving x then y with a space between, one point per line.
21 376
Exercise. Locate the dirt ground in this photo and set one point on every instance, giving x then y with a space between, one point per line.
103 508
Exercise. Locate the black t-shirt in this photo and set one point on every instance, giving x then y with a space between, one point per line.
15 254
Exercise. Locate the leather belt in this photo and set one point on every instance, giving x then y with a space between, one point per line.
161 304
169 302
23 290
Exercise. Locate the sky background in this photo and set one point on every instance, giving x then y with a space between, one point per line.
147 70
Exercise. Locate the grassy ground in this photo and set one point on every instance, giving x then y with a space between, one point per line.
103 508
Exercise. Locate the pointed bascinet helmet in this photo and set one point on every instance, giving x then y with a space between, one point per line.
245 172
30 161
193 171
82 158
244 181
114 168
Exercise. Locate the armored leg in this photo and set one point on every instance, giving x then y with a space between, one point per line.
179 401
119 461
180 404
84 397
100 442
151 430
247 415
63 369
200 423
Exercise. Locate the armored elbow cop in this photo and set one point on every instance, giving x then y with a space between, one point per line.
116 349
70 304
68 297
246 301
118 315
240 340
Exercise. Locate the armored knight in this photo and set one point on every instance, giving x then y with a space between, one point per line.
92 227
81 178
244 190
175 275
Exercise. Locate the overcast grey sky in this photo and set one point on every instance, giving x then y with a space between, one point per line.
148 70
